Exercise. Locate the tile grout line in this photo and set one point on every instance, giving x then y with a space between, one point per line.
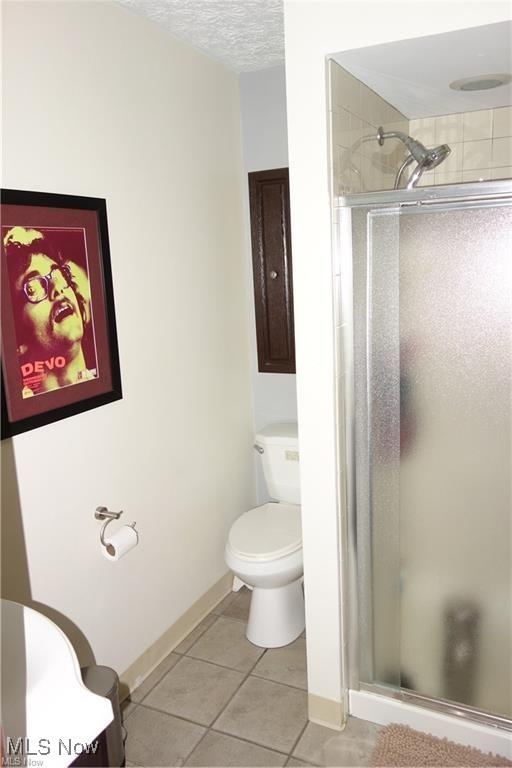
299 737
205 734
139 703
186 653
234 669
211 728
171 714
217 616
220 613
212 664
202 725
238 738
176 653
233 618
238 689
278 682
241 672
181 655
153 708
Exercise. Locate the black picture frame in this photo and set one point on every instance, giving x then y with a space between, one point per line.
60 356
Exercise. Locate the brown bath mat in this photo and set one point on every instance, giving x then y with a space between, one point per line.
401 746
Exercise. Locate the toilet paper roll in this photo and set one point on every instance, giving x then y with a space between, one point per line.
120 542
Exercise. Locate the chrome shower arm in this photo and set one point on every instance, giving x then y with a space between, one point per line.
415 176
408 160
381 135
416 148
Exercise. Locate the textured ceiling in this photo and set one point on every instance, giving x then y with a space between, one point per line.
244 34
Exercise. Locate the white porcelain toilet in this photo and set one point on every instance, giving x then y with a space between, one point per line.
264 547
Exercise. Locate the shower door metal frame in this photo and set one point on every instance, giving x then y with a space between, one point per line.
447 197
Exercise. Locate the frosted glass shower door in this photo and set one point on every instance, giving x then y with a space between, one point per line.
433 363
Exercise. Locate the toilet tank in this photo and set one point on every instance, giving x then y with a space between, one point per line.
278 445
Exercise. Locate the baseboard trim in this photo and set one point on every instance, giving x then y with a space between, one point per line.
384 710
151 658
326 712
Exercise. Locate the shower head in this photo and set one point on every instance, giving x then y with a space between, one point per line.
435 156
427 159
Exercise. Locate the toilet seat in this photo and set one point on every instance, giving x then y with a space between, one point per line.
267 532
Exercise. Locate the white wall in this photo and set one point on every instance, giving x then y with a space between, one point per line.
314 29
101 102
265 146
263 111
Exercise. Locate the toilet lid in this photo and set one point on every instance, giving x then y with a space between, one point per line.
272 530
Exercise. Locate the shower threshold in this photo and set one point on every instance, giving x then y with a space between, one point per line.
385 705
440 705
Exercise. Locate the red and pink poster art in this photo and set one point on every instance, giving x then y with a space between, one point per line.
52 309
59 342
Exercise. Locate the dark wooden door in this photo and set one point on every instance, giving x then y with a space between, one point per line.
269 194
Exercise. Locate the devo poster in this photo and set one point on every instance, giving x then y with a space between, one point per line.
52 308
59 341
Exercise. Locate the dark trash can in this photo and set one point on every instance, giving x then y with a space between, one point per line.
105 682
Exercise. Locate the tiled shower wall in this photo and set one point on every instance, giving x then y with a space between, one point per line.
359 164
481 144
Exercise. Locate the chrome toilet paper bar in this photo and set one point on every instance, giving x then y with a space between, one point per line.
102 513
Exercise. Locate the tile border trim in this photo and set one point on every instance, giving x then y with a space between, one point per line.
144 665
326 712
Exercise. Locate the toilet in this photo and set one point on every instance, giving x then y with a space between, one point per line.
264 546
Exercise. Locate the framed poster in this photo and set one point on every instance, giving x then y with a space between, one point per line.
59 341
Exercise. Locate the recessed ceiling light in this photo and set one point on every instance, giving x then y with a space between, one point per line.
480 82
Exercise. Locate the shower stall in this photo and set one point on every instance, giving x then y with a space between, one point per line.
425 440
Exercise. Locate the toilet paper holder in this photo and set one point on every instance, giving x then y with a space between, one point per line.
102 513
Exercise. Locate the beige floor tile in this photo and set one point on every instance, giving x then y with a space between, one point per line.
196 633
351 747
284 665
156 739
127 707
361 729
217 749
195 690
239 607
225 643
224 603
267 713
144 688
312 742
348 754
296 762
